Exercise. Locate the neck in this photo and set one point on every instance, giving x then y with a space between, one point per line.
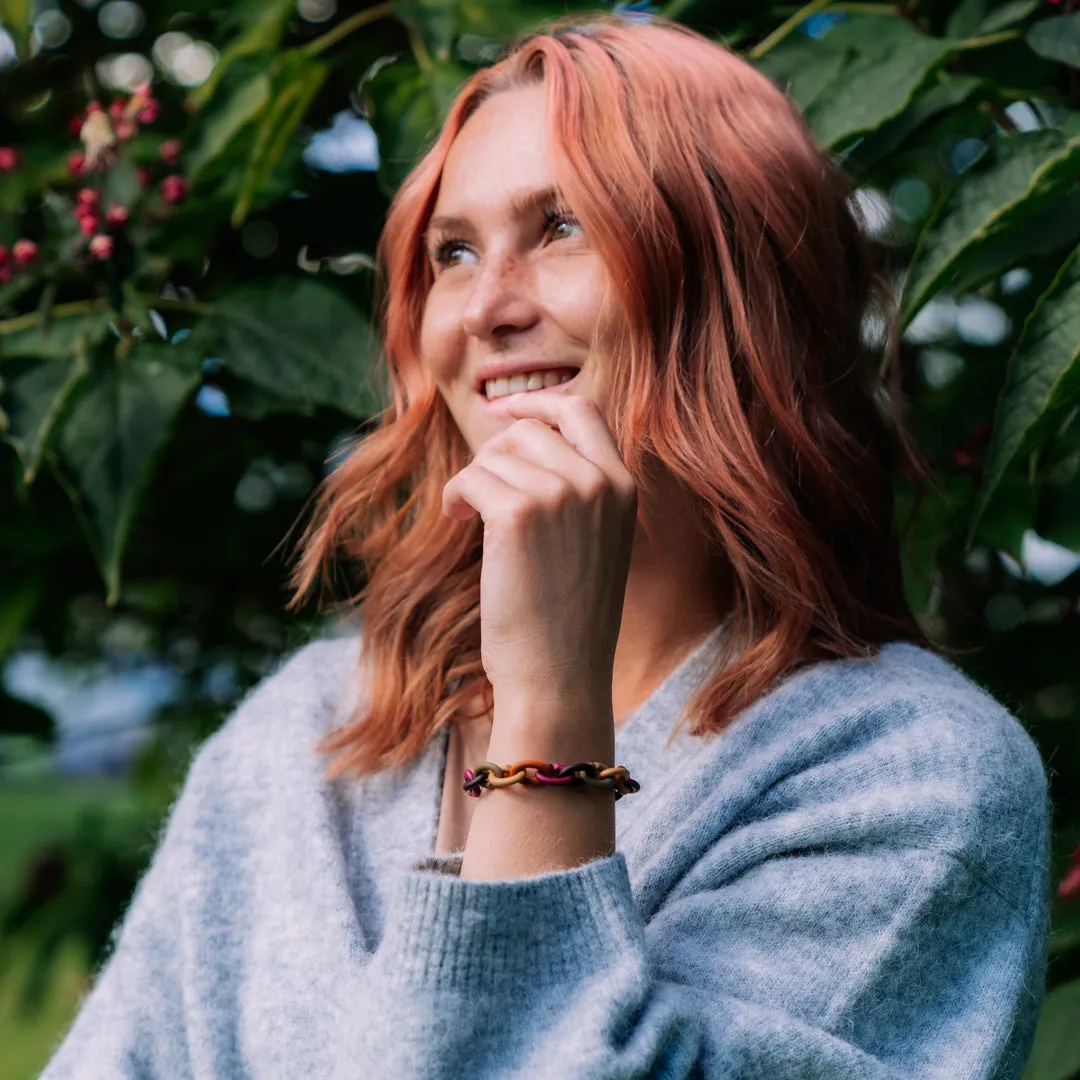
669 606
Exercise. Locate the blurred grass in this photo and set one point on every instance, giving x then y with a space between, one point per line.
34 813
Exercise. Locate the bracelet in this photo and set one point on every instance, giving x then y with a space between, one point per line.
594 773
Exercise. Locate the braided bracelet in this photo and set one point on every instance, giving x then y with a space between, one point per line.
594 773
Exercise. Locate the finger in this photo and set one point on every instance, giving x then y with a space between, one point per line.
531 479
539 443
476 490
579 422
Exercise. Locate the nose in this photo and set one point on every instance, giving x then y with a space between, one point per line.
502 299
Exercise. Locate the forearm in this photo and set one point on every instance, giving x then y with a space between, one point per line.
523 830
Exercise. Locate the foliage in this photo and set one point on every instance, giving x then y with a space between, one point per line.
213 261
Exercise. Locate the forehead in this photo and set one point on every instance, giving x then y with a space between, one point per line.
501 149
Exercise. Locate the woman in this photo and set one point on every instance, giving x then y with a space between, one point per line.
630 506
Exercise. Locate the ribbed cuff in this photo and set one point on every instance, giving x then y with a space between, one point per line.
446 933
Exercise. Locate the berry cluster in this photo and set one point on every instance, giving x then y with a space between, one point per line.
101 131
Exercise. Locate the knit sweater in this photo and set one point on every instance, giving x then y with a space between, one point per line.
850 882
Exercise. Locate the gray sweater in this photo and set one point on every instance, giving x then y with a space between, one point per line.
849 882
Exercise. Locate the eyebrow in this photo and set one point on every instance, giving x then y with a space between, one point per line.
520 204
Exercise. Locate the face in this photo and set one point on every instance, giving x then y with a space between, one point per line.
518 290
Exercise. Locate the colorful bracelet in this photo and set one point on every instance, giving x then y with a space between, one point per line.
593 773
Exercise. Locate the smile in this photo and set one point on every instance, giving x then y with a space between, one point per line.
531 380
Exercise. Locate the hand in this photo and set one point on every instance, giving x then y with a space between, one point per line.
559 509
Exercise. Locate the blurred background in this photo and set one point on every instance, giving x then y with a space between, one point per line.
190 196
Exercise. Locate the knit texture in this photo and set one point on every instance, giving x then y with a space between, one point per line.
849 883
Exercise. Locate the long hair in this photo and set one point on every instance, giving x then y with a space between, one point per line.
730 242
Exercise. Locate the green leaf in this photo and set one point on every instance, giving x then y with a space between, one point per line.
120 421
407 108
890 63
276 127
1018 176
36 394
43 367
937 98
57 337
262 24
16 16
966 18
1051 227
300 340
1055 1054
1006 15
227 122
1043 378
1057 38
803 67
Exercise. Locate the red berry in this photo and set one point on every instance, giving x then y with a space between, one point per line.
5 274
93 107
116 216
75 124
76 163
24 252
88 196
963 458
144 176
170 151
149 112
173 189
101 247
116 109
3 255
1069 888
9 159
89 223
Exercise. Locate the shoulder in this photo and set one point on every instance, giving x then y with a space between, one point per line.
896 752
268 740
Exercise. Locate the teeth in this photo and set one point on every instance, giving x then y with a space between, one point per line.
518 384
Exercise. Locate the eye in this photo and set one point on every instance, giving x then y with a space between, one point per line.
556 218
443 249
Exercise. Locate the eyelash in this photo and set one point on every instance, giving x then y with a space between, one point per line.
443 246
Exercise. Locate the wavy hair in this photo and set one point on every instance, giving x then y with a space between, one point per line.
731 244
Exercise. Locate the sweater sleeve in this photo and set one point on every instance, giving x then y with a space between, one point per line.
846 961
131 1024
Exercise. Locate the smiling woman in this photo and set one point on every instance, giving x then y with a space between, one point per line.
670 576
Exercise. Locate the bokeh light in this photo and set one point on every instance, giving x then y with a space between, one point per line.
121 19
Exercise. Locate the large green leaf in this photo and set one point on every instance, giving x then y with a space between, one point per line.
121 420
890 61
300 340
245 103
803 67
1056 1052
934 100
43 365
303 81
260 25
1053 226
1019 175
36 392
1043 379
56 337
1057 38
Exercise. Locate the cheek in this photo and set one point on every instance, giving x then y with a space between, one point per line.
441 342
